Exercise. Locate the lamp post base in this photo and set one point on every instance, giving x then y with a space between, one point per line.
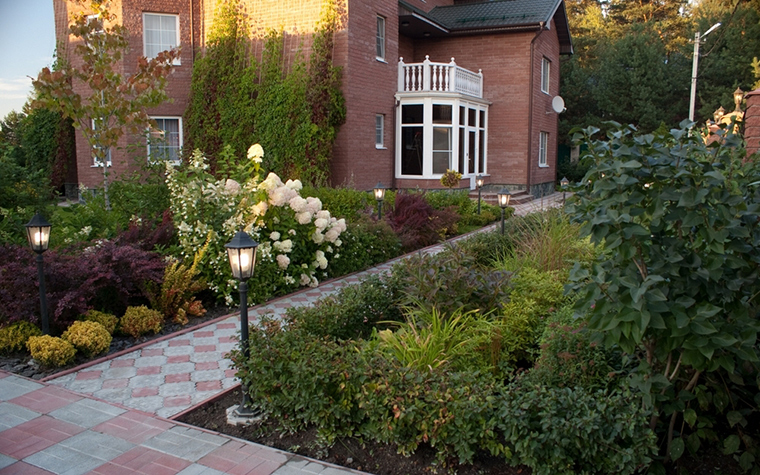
239 415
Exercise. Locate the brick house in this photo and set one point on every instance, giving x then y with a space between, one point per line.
429 84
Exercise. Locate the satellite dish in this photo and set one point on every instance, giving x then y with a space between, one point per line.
558 104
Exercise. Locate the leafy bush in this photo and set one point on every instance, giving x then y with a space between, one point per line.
564 431
51 350
352 312
104 276
13 337
149 234
91 338
109 321
138 321
450 281
342 202
485 248
176 298
417 224
366 243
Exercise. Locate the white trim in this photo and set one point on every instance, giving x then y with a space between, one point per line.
177 61
543 145
181 139
380 144
546 66
380 38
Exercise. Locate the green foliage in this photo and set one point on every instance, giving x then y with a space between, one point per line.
294 114
486 248
451 178
465 207
109 321
13 337
678 223
51 350
366 243
344 202
176 298
138 321
564 431
90 338
352 312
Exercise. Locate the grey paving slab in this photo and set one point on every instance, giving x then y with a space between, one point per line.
13 387
5 461
87 413
12 415
63 460
196 469
299 466
102 446
185 443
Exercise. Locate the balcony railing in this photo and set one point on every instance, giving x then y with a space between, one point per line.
438 77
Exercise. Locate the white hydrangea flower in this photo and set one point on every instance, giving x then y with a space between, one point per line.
314 205
294 185
338 242
289 280
282 195
283 261
332 235
231 186
303 218
317 237
292 232
284 246
255 153
271 182
275 236
321 260
321 223
298 204
305 280
323 214
313 282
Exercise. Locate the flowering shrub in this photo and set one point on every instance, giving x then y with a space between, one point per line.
14 336
51 350
451 178
91 338
138 321
295 234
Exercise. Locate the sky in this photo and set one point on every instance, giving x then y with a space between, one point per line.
27 42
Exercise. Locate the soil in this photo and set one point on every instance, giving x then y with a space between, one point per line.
22 364
382 459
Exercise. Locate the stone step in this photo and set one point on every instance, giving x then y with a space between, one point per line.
518 197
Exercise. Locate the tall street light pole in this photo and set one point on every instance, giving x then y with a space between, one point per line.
694 66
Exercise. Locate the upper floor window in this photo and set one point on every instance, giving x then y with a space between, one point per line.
165 143
543 142
160 33
380 39
379 130
545 72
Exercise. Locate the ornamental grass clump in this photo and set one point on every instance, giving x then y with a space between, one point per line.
296 235
138 321
51 351
90 338
13 337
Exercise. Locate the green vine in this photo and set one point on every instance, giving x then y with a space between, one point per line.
294 114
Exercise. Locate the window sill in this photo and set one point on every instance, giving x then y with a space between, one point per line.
381 60
101 166
543 166
380 147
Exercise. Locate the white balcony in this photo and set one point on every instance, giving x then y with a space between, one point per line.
428 76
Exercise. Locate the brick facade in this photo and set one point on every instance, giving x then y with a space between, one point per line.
752 122
510 62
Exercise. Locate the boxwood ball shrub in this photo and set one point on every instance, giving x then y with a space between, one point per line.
138 321
13 337
91 338
109 321
51 350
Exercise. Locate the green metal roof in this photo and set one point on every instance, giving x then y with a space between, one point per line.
495 14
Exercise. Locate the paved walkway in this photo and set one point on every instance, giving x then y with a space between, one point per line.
120 403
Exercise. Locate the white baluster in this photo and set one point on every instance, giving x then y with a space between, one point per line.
426 74
401 74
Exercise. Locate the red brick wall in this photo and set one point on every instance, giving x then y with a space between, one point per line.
752 122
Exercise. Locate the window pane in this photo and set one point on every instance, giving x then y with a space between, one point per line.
471 114
441 114
411 150
152 22
461 150
412 114
441 138
441 162
379 130
461 116
481 153
482 119
380 42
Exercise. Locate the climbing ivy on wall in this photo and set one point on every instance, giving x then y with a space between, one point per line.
294 114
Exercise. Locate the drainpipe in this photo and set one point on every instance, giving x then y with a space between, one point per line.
192 32
542 25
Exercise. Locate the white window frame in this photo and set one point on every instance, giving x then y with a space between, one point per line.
176 32
546 67
380 39
95 162
380 131
543 145
181 139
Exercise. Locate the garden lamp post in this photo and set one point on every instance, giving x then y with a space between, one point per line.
379 196
738 98
38 235
479 181
242 253
563 183
503 198
694 64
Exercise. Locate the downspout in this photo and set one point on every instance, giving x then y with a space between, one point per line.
192 31
542 25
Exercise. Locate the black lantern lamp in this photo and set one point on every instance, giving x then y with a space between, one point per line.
242 253
38 235
564 182
379 196
479 182
503 198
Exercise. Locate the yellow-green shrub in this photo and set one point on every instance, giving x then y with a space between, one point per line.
91 338
140 320
14 336
51 350
108 320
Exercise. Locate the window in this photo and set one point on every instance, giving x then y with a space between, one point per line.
441 138
160 33
380 39
379 131
545 71
166 142
543 142
96 162
412 116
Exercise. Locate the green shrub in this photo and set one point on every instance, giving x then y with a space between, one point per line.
486 248
280 376
564 431
138 321
91 338
14 336
109 321
51 350
352 312
366 243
